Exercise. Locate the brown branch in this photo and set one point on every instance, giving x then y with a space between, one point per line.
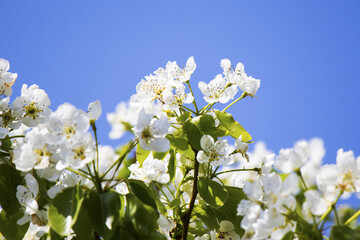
187 216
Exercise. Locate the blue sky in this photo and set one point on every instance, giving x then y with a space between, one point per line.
306 54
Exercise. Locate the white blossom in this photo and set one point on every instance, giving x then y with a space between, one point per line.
7 79
218 90
216 153
32 107
226 232
152 169
122 120
94 110
151 132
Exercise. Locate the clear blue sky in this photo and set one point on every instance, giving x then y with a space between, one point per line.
306 54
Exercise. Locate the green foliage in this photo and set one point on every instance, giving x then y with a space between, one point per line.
213 193
181 144
141 154
9 228
141 216
104 212
344 233
9 180
193 133
213 216
234 128
64 210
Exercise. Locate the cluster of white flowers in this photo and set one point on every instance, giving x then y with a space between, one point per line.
56 147
223 88
166 86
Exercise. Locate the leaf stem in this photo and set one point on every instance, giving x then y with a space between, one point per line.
241 97
352 218
238 170
194 102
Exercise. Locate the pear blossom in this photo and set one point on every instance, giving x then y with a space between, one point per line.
344 176
35 152
32 107
291 159
173 69
7 79
107 157
260 158
216 153
314 204
238 76
122 188
66 179
79 152
122 120
152 169
8 119
26 197
94 110
66 122
218 90
226 231
175 96
166 224
151 132
241 146
312 166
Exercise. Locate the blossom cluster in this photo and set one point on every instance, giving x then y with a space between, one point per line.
186 173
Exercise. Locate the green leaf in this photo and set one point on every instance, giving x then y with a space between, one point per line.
183 117
9 228
104 211
142 192
193 133
82 226
6 144
289 236
10 178
307 231
236 130
142 216
141 154
206 123
174 203
344 233
160 155
207 216
123 233
64 210
182 145
172 165
212 192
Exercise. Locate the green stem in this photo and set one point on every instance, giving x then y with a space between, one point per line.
94 180
298 172
119 161
186 108
352 218
328 211
238 170
160 188
79 173
336 216
241 97
172 194
207 108
15 136
121 158
194 102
